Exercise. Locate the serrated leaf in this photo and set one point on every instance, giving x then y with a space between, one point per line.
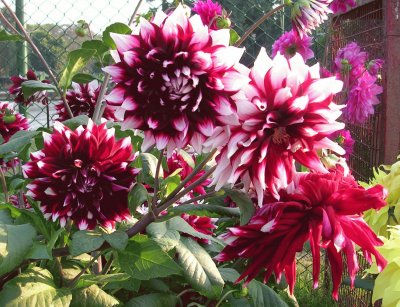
153 300
166 238
117 27
30 87
15 242
143 259
5 36
35 285
130 284
84 241
83 78
39 251
199 268
229 274
5 217
92 296
77 59
117 239
77 121
17 141
149 165
171 183
263 295
137 196
245 204
97 45
90 279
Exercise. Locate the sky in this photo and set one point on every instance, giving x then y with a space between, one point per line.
99 13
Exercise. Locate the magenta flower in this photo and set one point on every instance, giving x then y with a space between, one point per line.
286 113
362 99
82 100
307 15
325 209
208 12
202 224
290 43
175 80
344 139
375 66
82 175
342 6
16 89
350 60
11 121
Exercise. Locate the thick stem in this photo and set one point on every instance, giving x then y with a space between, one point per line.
40 56
48 115
200 197
4 185
96 113
156 179
76 278
107 266
258 23
8 24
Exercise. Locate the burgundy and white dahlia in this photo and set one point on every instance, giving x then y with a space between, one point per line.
307 15
11 121
16 89
286 114
202 224
325 209
82 100
175 80
208 11
82 175
342 6
290 43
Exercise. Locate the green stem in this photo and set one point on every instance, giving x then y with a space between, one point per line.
4 185
224 296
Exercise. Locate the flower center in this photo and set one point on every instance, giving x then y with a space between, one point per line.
280 136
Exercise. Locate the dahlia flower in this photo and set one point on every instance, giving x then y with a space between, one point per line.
286 114
289 44
175 80
202 224
325 209
208 12
375 66
342 6
82 175
362 98
11 121
82 100
307 15
16 89
344 139
350 60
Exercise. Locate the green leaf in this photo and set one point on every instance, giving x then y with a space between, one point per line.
362 283
204 210
15 242
39 251
199 268
153 300
77 121
77 59
229 274
30 87
263 295
187 158
143 259
245 204
5 217
117 27
17 141
117 239
130 284
92 296
17 183
149 165
83 78
97 45
166 238
35 287
137 196
90 279
171 183
84 241
234 37
5 36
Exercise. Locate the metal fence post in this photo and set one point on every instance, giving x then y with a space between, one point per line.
22 51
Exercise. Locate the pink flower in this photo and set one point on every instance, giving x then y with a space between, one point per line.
177 161
350 60
307 15
82 175
16 89
375 66
286 114
202 224
342 6
10 121
344 139
82 100
325 209
175 80
290 43
362 98
208 12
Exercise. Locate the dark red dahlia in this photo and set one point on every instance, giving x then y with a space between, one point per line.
202 224
10 121
82 100
16 89
286 114
82 175
325 209
175 80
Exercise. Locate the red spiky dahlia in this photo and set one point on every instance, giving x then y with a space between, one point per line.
286 114
82 175
202 224
325 209
16 89
82 100
175 80
11 121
